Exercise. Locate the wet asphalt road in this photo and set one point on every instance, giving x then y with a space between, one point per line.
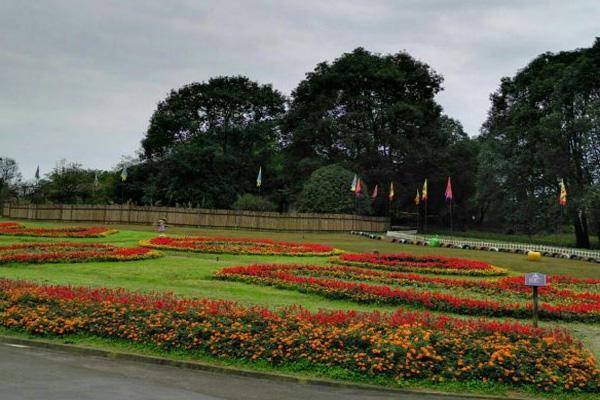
34 373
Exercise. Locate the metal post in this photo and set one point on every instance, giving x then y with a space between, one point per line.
535 306
418 218
425 220
451 224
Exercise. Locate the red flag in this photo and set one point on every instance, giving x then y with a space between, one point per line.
358 187
375 191
448 193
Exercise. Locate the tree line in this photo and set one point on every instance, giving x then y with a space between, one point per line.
374 116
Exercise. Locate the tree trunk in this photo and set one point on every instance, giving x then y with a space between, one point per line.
582 238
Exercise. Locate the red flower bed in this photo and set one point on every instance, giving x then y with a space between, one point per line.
10 225
424 264
239 246
505 297
400 346
71 252
70 232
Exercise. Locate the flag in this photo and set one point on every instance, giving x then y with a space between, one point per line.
375 192
353 186
417 198
391 194
96 183
448 195
358 187
37 173
562 200
259 177
424 195
124 174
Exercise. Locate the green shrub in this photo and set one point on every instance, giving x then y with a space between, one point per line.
328 191
253 203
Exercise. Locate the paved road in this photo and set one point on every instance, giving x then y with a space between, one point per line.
33 373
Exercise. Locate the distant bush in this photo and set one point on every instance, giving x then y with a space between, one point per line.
328 191
251 202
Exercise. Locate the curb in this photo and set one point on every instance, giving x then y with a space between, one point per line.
202 366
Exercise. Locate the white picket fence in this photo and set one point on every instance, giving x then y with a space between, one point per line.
549 251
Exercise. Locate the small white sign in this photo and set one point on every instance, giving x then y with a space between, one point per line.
535 279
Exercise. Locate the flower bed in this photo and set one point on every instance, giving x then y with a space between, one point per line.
240 246
71 252
70 232
10 225
505 297
400 346
424 264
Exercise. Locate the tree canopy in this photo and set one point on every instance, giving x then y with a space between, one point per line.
233 113
544 126
377 116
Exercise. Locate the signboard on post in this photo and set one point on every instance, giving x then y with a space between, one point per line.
535 280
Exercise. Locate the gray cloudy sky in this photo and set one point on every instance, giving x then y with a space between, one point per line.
79 79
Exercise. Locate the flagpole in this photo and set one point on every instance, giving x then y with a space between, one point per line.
418 217
451 224
425 221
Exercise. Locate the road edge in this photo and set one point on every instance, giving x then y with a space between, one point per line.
203 366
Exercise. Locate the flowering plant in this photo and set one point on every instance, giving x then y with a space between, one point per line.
72 232
71 252
425 264
10 225
240 246
399 346
563 299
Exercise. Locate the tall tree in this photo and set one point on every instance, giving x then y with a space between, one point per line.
544 124
374 114
67 183
206 142
235 113
9 177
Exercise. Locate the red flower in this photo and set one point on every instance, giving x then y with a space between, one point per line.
463 296
20 230
239 246
71 252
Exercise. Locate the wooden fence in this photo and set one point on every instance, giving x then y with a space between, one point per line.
197 217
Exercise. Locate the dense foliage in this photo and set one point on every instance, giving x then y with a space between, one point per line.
253 203
9 177
375 116
544 126
328 191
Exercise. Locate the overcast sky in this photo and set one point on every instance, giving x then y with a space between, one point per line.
80 79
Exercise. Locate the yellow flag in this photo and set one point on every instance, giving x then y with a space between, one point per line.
563 194
424 196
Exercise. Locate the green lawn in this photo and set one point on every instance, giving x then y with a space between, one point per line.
190 274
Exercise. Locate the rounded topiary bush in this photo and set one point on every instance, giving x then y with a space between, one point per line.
328 191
